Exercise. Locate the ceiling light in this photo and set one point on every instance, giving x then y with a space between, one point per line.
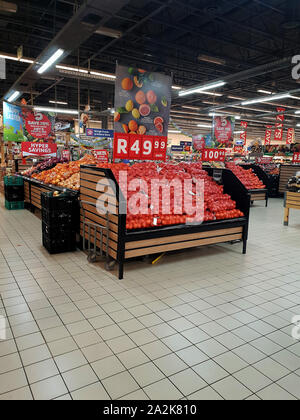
176 87
267 92
204 125
96 73
8 7
56 110
211 103
266 99
59 66
112 33
51 61
14 96
213 60
238 98
202 88
58 102
295 97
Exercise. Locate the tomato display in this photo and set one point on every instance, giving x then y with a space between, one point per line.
152 207
246 176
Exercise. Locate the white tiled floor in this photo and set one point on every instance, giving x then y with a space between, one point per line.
209 323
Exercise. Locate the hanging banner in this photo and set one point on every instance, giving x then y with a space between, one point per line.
223 131
290 139
243 136
12 123
278 135
238 149
296 158
198 143
39 149
268 135
142 102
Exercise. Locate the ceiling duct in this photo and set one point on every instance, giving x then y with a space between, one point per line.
8 7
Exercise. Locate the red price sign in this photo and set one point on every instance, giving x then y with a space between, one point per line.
213 155
238 149
65 154
138 147
101 155
38 125
296 158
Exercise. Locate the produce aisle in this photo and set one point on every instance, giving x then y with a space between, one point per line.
201 324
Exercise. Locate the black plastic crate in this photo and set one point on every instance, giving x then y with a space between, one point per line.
14 193
65 202
54 246
58 218
60 233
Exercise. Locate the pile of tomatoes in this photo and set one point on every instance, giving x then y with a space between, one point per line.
246 176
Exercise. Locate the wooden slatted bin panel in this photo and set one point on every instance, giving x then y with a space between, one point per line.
96 189
177 242
286 172
36 191
292 200
258 196
26 192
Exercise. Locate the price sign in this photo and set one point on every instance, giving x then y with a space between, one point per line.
101 155
213 155
66 154
296 157
138 147
264 160
238 149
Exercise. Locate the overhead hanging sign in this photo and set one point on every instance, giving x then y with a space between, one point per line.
198 143
177 148
223 129
296 158
243 136
12 123
264 160
290 139
66 154
38 125
278 135
268 135
100 132
39 149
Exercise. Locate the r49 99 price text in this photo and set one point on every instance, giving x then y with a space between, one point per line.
136 147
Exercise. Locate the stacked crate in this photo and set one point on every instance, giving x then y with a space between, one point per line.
59 222
14 192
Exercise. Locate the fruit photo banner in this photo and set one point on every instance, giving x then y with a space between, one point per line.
290 136
142 102
278 135
223 131
12 123
268 135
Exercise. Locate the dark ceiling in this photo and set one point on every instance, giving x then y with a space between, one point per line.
166 36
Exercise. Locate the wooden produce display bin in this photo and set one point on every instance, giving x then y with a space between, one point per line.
262 194
286 172
291 201
100 184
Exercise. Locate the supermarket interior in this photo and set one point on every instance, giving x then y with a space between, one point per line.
150 202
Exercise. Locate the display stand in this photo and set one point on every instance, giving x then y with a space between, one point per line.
286 172
262 194
123 244
291 201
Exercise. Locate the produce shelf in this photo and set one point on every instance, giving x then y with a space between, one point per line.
99 185
261 194
291 201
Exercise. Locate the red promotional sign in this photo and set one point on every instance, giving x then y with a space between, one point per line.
290 136
38 125
139 147
238 149
39 149
101 155
296 158
264 160
223 129
213 155
278 135
268 135
198 143
243 135
66 154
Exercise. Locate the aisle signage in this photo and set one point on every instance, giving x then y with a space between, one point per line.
296 157
290 136
264 160
177 148
213 155
268 135
243 135
139 147
99 132
101 155
278 135
39 149
38 125
66 154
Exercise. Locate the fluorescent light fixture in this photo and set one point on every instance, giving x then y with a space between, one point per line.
176 87
59 66
295 97
297 112
213 114
51 61
238 98
211 103
266 99
203 88
204 125
174 132
267 92
14 96
213 60
58 102
8 57
56 110
26 60
112 33
97 73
